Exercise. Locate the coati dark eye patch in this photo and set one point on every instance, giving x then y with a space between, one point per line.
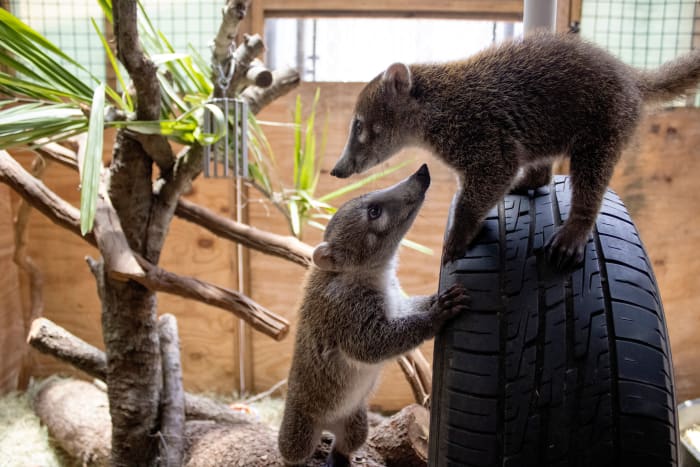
358 126
374 211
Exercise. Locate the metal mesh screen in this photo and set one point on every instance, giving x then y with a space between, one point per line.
643 33
67 23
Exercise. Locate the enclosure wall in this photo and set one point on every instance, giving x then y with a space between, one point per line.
657 179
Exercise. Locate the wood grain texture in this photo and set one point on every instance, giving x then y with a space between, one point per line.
12 343
657 179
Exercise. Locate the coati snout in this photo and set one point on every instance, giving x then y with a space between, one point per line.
381 123
367 230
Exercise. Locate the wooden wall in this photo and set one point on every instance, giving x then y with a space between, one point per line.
11 321
656 179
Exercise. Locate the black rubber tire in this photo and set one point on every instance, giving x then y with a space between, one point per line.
553 369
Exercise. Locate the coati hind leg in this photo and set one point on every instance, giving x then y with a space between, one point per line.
483 185
591 171
350 434
298 437
533 178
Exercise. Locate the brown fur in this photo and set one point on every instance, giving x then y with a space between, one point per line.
514 107
352 318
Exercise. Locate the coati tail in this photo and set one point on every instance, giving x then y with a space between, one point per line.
672 79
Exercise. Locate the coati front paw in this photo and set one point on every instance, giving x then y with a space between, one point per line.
449 304
455 247
565 248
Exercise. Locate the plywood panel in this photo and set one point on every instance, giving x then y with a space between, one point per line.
11 323
658 181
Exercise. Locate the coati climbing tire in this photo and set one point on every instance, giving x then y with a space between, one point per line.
551 369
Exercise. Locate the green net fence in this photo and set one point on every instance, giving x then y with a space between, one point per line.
643 33
68 24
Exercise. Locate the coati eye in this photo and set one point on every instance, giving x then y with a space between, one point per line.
374 211
358 126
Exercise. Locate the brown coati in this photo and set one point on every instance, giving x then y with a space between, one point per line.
500 117
353 317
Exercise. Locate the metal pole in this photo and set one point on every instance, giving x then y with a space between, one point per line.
539 15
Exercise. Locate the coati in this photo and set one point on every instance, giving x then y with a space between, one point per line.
353 317
500 117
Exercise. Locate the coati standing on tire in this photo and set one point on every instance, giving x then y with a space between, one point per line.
500 117
353 316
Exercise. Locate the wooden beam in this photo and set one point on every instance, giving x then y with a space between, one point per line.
418 8
498 10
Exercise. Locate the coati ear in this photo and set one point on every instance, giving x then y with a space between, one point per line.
323 257
397 78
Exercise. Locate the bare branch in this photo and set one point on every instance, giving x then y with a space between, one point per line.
243 56
232 14
258 317
49 338
283 81
119 261
417 371
287 247
172 425
40 197
141 70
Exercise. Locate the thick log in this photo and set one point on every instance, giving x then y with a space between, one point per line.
402 440
51 339
62 407
77 416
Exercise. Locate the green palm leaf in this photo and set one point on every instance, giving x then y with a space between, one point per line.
92 162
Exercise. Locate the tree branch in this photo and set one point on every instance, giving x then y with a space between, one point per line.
286 247
232 14
152 277
142 71
51 339
283 81
417 371
258 317
172 419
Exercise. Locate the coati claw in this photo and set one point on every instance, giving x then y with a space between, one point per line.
563 251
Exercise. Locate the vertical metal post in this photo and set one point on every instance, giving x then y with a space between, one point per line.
539 15
241 166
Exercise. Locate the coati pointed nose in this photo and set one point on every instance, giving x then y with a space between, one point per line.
338 173
423 175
